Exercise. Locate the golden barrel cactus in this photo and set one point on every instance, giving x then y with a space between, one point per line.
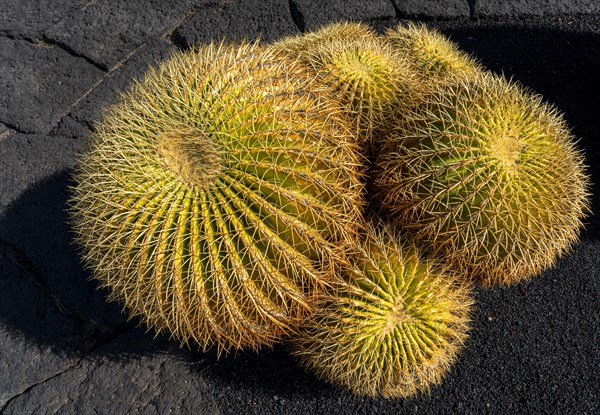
396 324
214 196
488 176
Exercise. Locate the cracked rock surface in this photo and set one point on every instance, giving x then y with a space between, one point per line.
39 83
534 348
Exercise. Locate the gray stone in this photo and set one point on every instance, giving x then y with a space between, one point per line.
39 83
30 18
318 13
106 31
151 382
91 109
267 19
36 340
27 159
34 180
432 8
492 8
69 127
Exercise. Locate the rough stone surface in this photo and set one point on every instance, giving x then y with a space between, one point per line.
267 19
432 8
494 8
27 159
106 31
39 83
27 361
91 109
313 14
30 18
69 127
147 381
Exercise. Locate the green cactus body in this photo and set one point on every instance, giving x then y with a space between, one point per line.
364 73
432 57
488 176
215 194
396 325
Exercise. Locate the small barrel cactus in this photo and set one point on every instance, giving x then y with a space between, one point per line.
433 58
214 195
396 324
488 176
366 74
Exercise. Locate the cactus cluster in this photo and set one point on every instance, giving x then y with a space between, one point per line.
340 190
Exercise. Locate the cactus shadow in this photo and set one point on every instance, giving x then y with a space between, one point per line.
274 371
46 297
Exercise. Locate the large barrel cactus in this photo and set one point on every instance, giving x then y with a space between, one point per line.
215 195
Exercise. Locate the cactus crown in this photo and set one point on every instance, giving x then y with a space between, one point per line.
191 155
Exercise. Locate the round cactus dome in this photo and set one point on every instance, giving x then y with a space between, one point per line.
366 74
215 194
396 325
433 57
488 176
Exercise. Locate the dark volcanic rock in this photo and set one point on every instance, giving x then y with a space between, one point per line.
435 9
92 107
30 18
35 335
267 19
148 382
69 127
25 362
520 8
105 32
316 13
27 159
39 83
